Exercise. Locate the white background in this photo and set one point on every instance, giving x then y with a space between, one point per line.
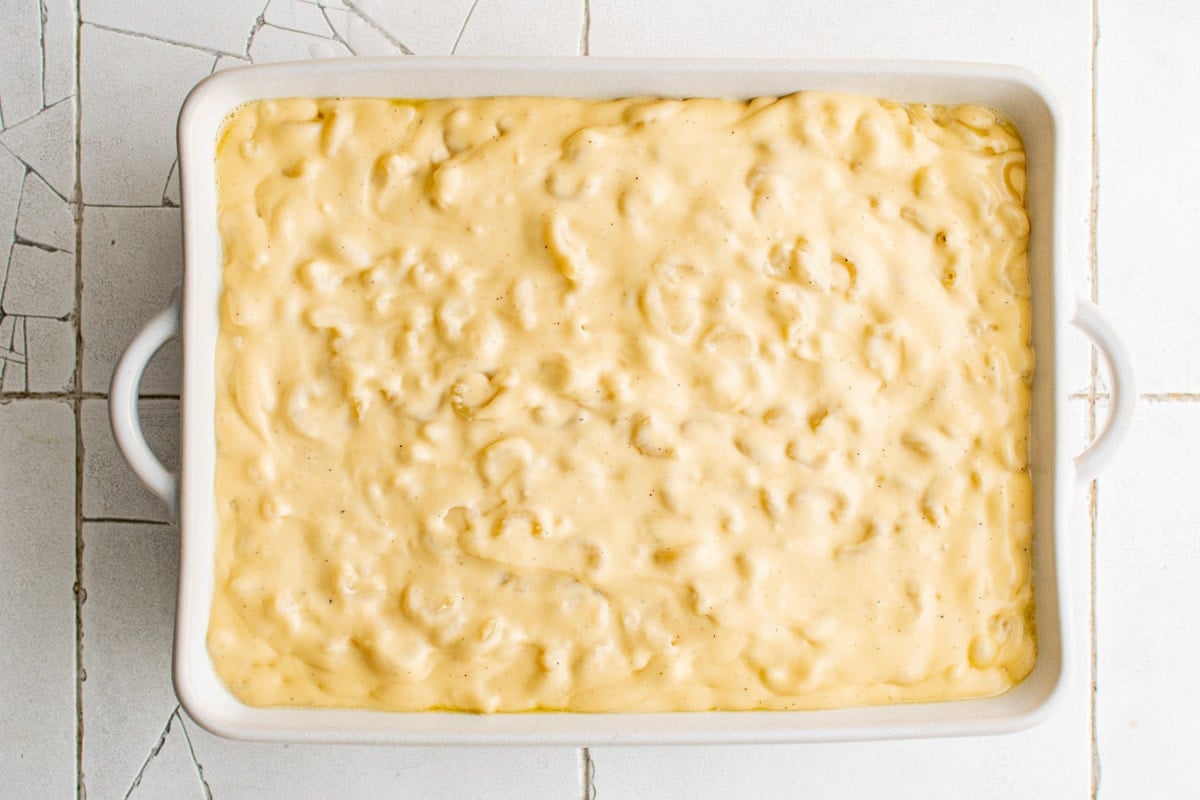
89 249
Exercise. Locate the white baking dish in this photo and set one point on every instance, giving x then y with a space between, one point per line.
1056 474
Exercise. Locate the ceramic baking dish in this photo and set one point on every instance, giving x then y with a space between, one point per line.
1057 474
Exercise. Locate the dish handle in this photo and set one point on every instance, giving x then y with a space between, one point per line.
1123 398
123 405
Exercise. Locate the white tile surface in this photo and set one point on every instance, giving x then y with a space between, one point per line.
1149 212
310 772
513 27
46 143
12 176
1147 604
37 572
361 36
297 15
13 364
51 354
58 49
171 771
132 263
276 44
20 61
129 573
981 769
424 27
110 489
221 26
40 283
44 217
127 156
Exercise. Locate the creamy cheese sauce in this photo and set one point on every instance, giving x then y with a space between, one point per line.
537 403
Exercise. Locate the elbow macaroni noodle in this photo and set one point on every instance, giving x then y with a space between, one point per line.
540 403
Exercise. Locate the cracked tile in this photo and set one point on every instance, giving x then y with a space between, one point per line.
51 354
170 772
129 574
132 263
127 154
12 176
221 26
225 62
426 27
12 377
272 44
44 217
13 364
316 772
20 61
110 489
58 50
171 194
46 143
513 27
41 283
37 575
296 15
359 35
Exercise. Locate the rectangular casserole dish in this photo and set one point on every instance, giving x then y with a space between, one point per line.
1056 475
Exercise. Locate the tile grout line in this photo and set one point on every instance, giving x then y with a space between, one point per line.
1093 489
42 17
127 521
1171 397
585 32
42 47
586 774
119 205
82 395
77 406
25 345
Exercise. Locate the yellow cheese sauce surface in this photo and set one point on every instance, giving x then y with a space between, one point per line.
539 403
